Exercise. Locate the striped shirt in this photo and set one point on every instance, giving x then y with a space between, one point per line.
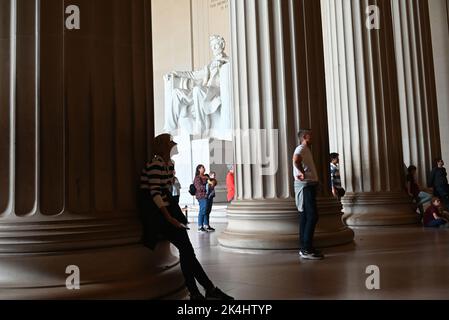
335 176
157 177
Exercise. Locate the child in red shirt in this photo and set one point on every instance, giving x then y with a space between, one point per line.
434 215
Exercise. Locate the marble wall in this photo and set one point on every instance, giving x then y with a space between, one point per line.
181 31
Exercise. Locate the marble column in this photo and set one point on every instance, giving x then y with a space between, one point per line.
439 24
417 93
221 156
362 89
278 69
76 116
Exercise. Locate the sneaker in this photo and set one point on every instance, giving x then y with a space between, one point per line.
313 250
210 229
317 252
217 294
197 296
202 230
311 255
304 251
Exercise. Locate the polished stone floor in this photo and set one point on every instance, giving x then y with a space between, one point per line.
413 264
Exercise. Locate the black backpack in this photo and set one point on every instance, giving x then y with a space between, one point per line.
192 189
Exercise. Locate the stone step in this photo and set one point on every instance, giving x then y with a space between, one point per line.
218 214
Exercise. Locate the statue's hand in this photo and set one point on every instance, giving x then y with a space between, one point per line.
171 75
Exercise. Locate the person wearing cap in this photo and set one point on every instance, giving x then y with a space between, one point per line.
162 218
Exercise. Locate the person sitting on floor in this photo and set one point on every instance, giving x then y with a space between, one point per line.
414 190
434 217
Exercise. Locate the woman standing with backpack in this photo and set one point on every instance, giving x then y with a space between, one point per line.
201 195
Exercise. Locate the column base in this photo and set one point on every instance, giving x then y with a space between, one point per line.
330 230
112 263
129 272
378 209
273 225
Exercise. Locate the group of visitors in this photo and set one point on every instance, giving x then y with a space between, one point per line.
163 219
203 188
435 215
204 191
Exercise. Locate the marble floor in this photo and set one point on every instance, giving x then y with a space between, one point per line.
413 264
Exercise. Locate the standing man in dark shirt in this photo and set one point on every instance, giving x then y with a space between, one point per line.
438 181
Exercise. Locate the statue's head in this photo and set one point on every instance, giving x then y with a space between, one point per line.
217 44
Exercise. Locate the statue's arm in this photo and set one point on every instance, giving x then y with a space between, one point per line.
193 75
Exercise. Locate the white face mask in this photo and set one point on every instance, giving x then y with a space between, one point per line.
174 151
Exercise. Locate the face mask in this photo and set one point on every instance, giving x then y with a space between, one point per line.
174 151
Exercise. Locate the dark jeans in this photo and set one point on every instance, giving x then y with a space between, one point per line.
436 223
203 219
308 219
190 266
210 203
156 228
175 199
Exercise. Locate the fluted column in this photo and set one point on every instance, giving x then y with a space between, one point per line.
362 89
76 119
416 77
278 88
439 23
